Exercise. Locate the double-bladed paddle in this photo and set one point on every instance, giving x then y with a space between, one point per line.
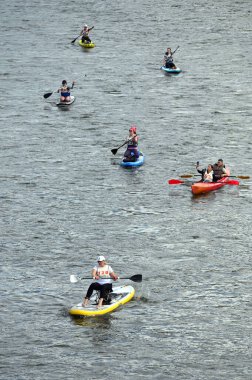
135 278
179 182
229 176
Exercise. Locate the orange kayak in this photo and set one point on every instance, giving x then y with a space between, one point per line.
205 187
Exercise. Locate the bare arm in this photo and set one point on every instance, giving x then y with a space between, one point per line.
113 275
94 274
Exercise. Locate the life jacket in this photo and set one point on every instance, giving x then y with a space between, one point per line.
218 171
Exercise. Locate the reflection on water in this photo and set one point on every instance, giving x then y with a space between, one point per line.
99 322
203 198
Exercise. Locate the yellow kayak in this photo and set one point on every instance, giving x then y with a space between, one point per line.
87 45
119 296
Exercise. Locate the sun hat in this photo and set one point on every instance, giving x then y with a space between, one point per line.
101 258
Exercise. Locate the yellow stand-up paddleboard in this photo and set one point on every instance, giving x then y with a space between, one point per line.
87 45
119 296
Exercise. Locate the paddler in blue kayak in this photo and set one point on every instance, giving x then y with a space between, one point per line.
102 275
65 91
85 34
168 59
132 153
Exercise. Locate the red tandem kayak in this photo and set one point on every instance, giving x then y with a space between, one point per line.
205 187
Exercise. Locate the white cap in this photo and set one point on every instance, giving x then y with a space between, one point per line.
101 258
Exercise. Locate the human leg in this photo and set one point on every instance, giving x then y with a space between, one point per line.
104 290
92 287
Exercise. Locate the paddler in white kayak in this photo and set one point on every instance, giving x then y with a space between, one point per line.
103 275
65 91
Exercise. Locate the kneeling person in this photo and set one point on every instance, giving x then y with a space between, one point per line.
132 153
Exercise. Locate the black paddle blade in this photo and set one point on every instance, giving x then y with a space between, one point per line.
72 42
47 95
114 151
136 278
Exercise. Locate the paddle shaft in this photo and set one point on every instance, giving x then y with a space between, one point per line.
175 50
229 176
180 182
72 42
135 278
114 151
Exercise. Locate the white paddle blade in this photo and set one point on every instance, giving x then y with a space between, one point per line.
73 278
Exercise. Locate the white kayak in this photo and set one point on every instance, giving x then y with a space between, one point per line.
66 104
119 296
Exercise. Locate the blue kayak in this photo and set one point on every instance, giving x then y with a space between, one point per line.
168 70
133 164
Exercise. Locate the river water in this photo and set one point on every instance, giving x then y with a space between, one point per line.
64 199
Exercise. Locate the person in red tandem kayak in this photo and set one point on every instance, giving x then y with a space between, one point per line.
219 170
132 153
207 174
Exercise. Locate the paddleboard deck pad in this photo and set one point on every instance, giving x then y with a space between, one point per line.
132 164
119 296
66 104
171 71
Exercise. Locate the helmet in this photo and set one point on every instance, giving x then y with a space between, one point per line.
85 26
